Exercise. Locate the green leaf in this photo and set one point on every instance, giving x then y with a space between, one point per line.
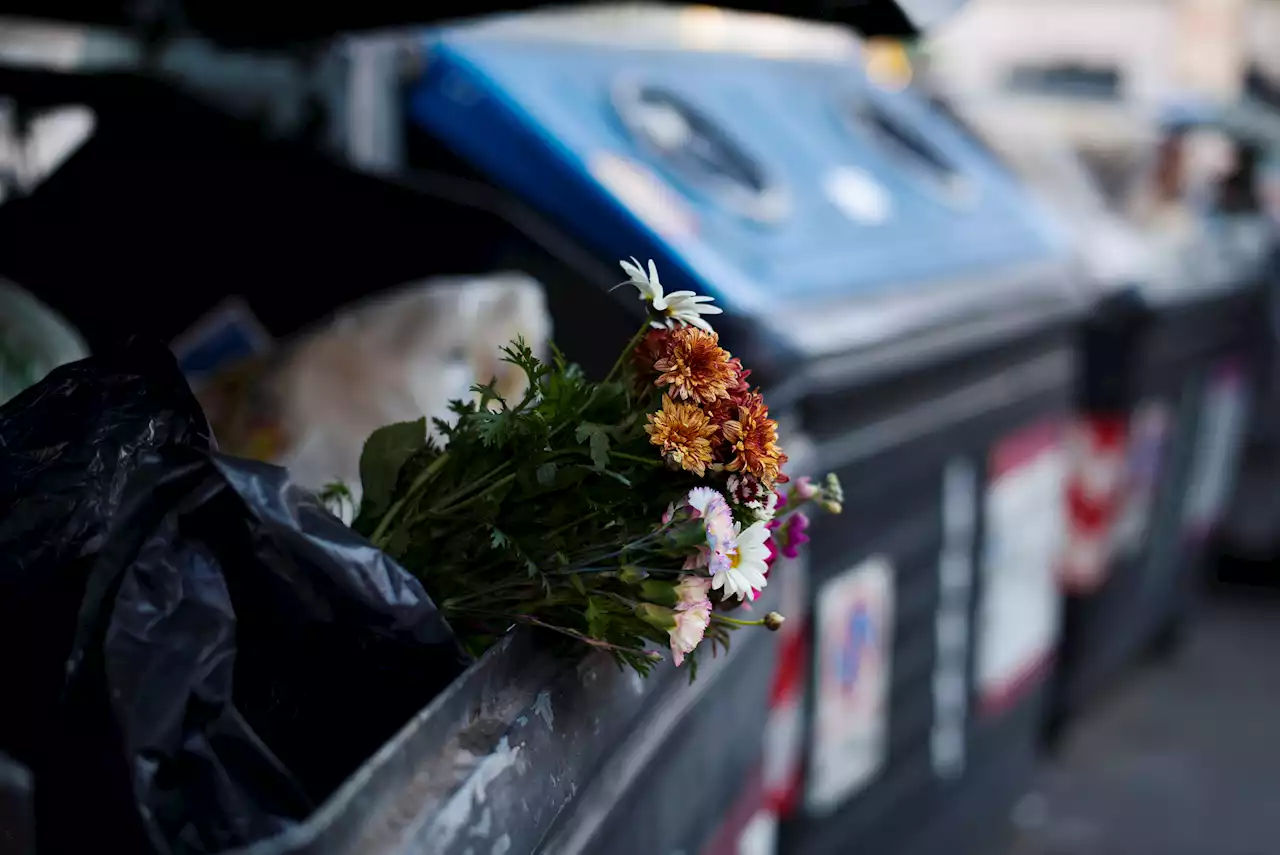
547 474
488 393
385 451
498 540
598 438
597 619
575 579
618 476
493 428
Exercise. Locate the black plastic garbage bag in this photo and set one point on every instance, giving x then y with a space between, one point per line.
237 651
68 447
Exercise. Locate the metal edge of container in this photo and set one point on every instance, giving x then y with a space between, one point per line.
492 762
579 829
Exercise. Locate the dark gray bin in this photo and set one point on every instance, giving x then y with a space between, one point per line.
912 436
1194 339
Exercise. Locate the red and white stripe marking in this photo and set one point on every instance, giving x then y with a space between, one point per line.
1094 495
751 826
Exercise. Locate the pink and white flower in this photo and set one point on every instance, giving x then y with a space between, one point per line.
711 507
748 565
691 625
692 591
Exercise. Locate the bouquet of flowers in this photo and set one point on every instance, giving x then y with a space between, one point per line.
625 513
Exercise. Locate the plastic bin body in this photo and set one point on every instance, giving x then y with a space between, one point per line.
929 467
1192 371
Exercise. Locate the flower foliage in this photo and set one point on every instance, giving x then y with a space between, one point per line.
627 514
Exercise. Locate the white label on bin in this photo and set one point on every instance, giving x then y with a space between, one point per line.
1148 435
1218 440
955 584
854 632
1019 610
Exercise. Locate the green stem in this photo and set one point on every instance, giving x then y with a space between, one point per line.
635 458
418 484
734 621
486 491
459 494
626 351
617 366
586 639
454 602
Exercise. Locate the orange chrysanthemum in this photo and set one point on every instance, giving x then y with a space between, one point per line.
696 367
683 432
739 390
753 441
655 345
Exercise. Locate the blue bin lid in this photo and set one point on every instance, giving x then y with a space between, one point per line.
546 117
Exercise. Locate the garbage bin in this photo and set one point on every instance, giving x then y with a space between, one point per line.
1163 404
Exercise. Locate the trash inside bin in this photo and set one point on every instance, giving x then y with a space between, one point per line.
206 653
33 341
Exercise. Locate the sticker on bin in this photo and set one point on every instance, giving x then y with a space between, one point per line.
854 634
1218 440
1149 433
1019 610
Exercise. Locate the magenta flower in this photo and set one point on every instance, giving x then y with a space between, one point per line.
794 534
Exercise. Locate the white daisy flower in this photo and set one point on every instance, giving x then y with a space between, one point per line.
747 565
678 307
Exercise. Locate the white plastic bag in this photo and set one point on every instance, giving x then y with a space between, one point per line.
399 357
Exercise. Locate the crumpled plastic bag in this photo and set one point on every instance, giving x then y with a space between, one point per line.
398 357
194 652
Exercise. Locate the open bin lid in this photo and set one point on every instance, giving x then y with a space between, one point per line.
285 23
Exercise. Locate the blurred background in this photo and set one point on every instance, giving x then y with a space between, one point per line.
1012 277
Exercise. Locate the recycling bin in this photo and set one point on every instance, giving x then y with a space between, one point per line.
1248 541
1167 315
1164 404
1180 436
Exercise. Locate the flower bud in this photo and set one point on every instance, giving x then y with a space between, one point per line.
658 617
834 492
832 507
804 488
658 591
774 621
